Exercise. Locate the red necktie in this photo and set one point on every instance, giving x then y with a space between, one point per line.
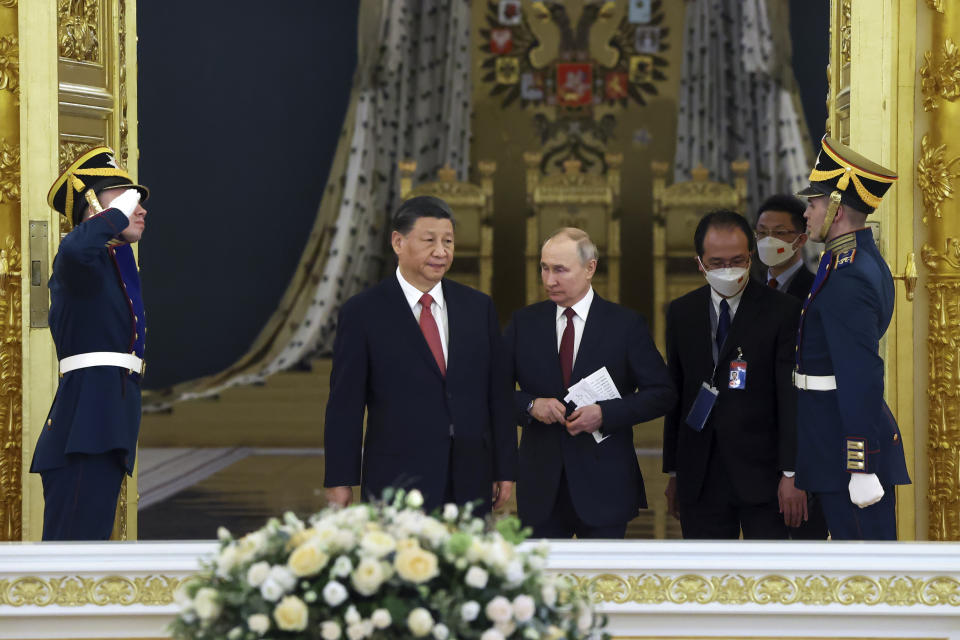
430 331
773 284
566 347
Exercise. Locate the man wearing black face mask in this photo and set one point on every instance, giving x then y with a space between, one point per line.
730 440
781 235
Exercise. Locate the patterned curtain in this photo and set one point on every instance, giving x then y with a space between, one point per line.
411 100
738 97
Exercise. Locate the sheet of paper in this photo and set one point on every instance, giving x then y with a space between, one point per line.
595 387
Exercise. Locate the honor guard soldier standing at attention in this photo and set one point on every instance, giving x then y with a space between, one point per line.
849 449
89 439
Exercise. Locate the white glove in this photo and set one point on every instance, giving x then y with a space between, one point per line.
865 489
126 202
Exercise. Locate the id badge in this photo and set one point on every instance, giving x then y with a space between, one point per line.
738 372
702 405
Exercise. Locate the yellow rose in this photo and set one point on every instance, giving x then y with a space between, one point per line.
407 543
291 614
378 543
416 565
300 538
307 559
368 577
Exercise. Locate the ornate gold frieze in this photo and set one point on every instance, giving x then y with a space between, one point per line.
75 591
9 171
11 397
845 30
122 148
935 176
78 24
940 79
943 436
9 63
942 261
900 591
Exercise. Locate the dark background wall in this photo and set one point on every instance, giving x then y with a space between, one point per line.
810 34
240 110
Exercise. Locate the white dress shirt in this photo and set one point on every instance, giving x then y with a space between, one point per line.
785 278
581 308
438 308
733 301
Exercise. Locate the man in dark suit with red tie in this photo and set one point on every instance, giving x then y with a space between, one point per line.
570 482
423 356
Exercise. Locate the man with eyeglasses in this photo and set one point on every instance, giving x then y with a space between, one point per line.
781 235
730 440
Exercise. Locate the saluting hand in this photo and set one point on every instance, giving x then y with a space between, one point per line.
585 420
548 410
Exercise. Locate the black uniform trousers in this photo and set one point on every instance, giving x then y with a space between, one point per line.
847 521
563 521
80 498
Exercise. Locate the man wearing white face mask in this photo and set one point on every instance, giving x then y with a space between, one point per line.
781 235
730 441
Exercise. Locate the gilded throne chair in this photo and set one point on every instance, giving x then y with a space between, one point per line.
574 199
676 211
472 207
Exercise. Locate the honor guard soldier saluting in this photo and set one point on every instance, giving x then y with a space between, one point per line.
849 449
96 317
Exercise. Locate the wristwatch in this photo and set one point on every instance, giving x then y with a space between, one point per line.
530 406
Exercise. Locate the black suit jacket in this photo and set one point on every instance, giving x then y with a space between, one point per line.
604 479
799 287
381 363
754 429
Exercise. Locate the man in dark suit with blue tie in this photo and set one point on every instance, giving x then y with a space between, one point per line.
850 452
570 482
89 439
423 356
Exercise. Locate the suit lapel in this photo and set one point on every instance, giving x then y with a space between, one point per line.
546 332
590 340
743 319
407 323
458 317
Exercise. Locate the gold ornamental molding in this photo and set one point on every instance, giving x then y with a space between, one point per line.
942 262
11 387
78 24
846 27
77 591
936 5
123 149
9 63
899 591
935 176
940 79
9 171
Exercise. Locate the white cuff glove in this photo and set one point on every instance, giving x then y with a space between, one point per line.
865 489
126 202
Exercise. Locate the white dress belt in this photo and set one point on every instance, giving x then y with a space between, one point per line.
102 359
814 383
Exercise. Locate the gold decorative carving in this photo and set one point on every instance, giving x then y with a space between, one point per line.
942 262
122 149
11 398
940 79
8 4
78 23
75 591
845 30
936 5
943 439
70 151
10 64
934 177
9 171
900 591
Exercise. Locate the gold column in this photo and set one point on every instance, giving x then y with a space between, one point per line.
937 167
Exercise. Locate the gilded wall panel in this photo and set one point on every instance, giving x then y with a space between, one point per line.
79 30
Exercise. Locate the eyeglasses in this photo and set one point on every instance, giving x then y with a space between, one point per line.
739 262
780 234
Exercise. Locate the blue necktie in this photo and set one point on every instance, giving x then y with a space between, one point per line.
723 325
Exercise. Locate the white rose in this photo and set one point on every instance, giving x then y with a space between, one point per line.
378 543
352 616
414 500
499 610
381 619
235 634
477 550
420 622
585 621
334 593
257 573
324 532
549 594
506 628
270 590
514 572
259 623
368 628
227 560
356 631
223 534
491 634
330 630
207 603
342 567
476 578
469 611
523 608
250 545
344 539
435 532
441 632
368 577
181 598
283 577
450 511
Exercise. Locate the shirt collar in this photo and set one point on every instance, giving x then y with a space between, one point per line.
784 278
732 301
413 295
581 308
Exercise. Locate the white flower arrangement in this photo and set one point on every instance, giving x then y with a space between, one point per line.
383 571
